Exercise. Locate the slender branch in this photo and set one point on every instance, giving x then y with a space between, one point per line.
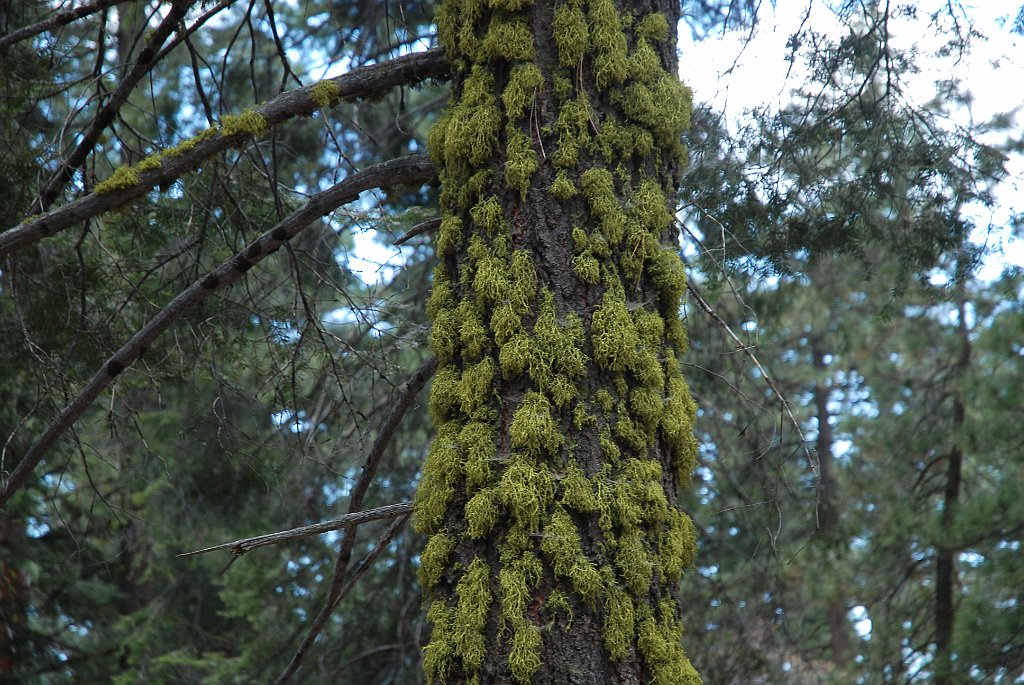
413 169
359 83
335 597
709 310
54 21
240 547
406 394
147 59
420 228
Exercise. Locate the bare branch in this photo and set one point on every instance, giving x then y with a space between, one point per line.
54 21
240 547
407 393
359 83
420 228
414 169
709 310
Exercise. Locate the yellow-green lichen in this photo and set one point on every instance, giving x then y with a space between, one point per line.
249 122
613 335
475 387
325 93
533 428
577 492
563 188
678 545
468 134
659 642
122 178
520 161
561 544
442 651
634 563
434 559
475 598
573 128
521 91
527 489
572 36
557 605
599 191
524 655
509 40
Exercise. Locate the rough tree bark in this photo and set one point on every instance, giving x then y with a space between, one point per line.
564 425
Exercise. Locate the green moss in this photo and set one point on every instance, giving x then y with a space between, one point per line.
449 235
604 400
533 428
669 278
441 653
482 513
434 560
561 544
571 34
324 94
520 161
556 349
507 40
469 137
150 163
609 43
561 88
613 335
654 27
650 208
563 188
524 655
510 5
634 563
521 91
557 605
599 191
528 490
515 355
122 178
677 420
576 490
644 63
475 387
587 268
475 598
618 624
443 334
473 337
573 132
661 649
477 439
505 323
441 470
487 215
662 106
678 546
248 122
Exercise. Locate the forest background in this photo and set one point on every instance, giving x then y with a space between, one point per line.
859 493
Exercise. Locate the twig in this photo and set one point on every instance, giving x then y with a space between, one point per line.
703 304
414 169
240 547
355 84
419 229
59 19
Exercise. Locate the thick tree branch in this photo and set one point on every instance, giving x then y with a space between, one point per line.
359 83
146 60
240 547
414 169
55 21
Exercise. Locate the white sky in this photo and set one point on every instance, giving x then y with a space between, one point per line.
737 72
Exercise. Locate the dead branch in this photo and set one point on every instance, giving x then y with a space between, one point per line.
54 21
419 229
240 547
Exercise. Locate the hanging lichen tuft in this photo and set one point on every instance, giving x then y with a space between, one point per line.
564 424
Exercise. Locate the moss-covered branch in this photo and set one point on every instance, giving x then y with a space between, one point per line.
164 167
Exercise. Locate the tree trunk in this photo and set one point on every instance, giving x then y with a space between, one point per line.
828 505
945 563
563 421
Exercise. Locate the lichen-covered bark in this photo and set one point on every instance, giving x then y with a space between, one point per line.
564 425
